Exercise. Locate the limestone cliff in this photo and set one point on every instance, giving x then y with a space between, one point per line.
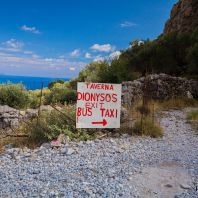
183 17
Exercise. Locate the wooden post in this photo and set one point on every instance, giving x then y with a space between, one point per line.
153 114
40 102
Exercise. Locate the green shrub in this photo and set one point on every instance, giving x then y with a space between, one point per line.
51 84
51 124
148 128
13 95
33 100
60 95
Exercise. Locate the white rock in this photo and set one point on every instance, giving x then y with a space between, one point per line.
70 151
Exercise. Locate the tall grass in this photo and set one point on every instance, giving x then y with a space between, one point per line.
148 128
176 103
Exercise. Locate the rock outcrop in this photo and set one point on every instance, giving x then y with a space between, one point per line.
159 86
9 117
183 17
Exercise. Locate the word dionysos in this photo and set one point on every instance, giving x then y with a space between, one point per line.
97 97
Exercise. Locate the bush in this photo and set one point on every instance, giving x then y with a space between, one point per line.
51 84
34 97
33 100
13 95
60 95
51 124
148 128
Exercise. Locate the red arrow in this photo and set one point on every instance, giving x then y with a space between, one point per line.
104 122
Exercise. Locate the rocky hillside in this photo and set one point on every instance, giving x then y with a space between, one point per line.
159 86
183 17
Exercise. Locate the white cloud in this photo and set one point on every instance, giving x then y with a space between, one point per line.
38 66
72 68
99 58
114 55
102 48
35 56
61 56
30 29
28 52
48 59
75 53
87 55
13 45
126 24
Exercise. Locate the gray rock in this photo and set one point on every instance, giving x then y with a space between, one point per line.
8 146
159 86
31 113
62 138
63 150
168 185
70 151
185 186
9 117
46 145
46 108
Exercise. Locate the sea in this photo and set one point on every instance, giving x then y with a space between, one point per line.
30 83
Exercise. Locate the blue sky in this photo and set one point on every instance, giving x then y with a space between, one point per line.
58 38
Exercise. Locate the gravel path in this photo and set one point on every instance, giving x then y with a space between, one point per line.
123 167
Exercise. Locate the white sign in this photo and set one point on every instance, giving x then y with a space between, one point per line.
98 105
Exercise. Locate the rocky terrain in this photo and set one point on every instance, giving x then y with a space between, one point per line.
183 18
120 167
158 86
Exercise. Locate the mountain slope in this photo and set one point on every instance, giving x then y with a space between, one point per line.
183 17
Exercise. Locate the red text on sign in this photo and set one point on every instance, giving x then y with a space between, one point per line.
84 112
99 86
96 97
110 113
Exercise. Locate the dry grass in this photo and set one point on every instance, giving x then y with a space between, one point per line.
152 113
192 118
193 115
176 103
155 106
148 128
16 142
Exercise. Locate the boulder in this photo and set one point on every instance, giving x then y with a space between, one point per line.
9 117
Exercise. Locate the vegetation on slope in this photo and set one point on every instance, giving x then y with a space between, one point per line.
16 96
175 54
